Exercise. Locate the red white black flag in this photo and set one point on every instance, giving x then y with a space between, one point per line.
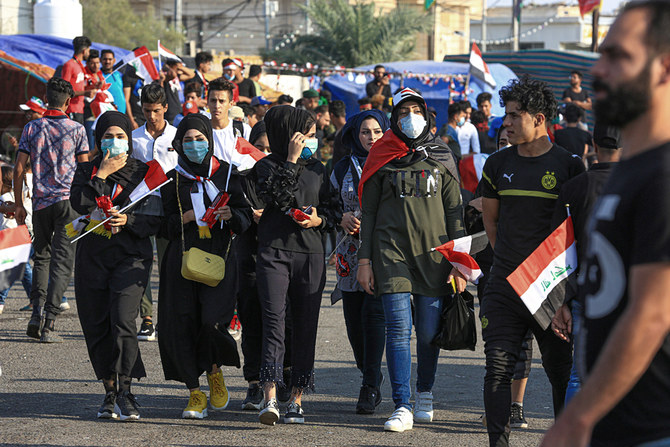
458 252
141 60
14 253
544 279
478 67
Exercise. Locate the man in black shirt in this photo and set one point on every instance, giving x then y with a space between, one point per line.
575 93
379 85
520 186
572 138
625 399
132 89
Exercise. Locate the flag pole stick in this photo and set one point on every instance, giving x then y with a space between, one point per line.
160 66
122 210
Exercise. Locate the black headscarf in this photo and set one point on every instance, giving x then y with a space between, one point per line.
257 131
351 130
202 124
281 122
411 143
134 170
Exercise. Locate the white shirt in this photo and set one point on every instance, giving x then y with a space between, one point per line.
225 140
145 148
468 139
11 222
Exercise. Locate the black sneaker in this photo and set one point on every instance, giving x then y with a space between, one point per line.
34 326
147 331
270 412
254 398
48 336
368 399
106 410
126 406
294 414
516 419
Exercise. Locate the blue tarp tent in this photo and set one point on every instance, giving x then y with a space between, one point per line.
345 88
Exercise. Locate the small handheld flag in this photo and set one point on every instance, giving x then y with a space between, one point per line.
459 253
14 254
478 67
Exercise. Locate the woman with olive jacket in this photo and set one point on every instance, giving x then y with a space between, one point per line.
193 316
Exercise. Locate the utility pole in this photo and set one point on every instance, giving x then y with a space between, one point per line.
516 17
267 25
178 11
484 26
594 29
308 22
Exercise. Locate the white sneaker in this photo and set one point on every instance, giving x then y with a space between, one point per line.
64 305
400 420
423 407
2 307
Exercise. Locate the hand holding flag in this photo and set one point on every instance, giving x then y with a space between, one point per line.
458 252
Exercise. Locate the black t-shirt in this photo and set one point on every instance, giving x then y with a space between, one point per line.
372 88
130 79
527 188
581 96
573 139
174 106
247 88
630 226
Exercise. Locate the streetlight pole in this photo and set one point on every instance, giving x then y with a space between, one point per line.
267 25
484 26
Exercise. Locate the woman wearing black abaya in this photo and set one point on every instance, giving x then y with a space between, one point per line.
112 264
194 317
290 259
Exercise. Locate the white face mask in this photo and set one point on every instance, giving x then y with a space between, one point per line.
412 125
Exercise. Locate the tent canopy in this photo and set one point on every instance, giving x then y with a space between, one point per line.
436 92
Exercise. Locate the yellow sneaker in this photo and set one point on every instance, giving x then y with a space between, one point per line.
197 406
218 393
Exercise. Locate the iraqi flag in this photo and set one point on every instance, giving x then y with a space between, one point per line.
544 279
167 54
471 168
154 178
141 60
14 254
586 6
102 102
478 67
459 253
245 155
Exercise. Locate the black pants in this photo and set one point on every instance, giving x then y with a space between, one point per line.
364 318
300 278
505 322
108 290
54 257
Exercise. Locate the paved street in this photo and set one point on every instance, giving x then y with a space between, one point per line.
49 396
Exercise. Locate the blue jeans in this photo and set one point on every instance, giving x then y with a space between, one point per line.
398 315
575 382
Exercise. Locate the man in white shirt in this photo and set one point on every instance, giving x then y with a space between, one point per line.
153 141
226 131
468 138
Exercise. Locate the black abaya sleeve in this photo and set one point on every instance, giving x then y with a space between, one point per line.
170 225
141 225
330 205
277 185
85 190
239 206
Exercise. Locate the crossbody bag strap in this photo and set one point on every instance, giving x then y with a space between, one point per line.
181 214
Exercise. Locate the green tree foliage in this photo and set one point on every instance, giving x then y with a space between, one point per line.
115 23
353 34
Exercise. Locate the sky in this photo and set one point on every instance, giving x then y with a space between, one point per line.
608 5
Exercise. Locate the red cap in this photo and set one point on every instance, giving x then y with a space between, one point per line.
189 107
35 104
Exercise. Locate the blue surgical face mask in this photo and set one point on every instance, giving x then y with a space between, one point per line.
196 151
311 145
461 121
115 146
412 125
229 77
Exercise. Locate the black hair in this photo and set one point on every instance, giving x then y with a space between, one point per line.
193 87
578 73
58 91
80 43
285 99
93 55
378 67
202 58
477 117
483 97
221 84
533 96
107 51
7 175
321 109
337 108
465 105
325 93
227 61
659 22
364 101
153 94
255 70
454 109
572 113
246 109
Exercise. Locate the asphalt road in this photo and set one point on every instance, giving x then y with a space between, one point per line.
49 396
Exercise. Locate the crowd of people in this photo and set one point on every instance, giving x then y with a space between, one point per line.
255 194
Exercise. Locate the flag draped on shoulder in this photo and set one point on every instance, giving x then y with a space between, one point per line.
14 254
141 60
544 280
459 253
245 155
478 67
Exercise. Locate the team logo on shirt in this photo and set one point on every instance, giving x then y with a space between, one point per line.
549 180
485 322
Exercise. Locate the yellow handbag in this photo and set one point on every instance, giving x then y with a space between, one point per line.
196 264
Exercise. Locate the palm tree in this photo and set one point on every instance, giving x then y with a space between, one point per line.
352 35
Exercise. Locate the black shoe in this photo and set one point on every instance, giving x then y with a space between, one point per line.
34 326
294 414
516 418
368 399
284 393
48 336
254 398
106 410
147 331
126 406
